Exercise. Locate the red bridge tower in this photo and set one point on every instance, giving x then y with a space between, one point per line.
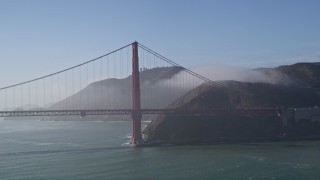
136 101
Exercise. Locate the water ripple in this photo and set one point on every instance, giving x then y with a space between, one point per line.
23 153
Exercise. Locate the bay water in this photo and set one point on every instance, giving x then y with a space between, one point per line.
34 149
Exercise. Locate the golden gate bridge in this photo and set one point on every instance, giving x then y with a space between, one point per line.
132 80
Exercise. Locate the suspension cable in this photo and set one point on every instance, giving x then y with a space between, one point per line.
25 82
183 68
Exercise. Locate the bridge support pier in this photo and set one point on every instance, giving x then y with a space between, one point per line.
136 99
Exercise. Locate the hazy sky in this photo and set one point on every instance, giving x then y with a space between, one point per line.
40 37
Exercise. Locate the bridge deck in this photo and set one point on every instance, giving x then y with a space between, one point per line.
129 112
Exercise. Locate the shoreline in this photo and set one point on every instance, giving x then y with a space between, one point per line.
167 144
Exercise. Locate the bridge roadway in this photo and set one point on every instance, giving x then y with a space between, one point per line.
203 111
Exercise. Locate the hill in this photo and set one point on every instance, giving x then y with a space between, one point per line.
301 92
301 74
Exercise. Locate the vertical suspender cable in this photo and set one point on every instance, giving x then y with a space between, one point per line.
44 93
106 98
66 99
51 95
107 67
81 90
114 75
121 64
21 95
87 94
115 65
14 98
29 95
36 105
101 85
73 95
59 92
128 73
94 87
6 105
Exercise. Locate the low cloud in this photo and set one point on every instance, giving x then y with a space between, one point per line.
219 72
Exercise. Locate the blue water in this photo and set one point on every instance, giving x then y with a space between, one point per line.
34 149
